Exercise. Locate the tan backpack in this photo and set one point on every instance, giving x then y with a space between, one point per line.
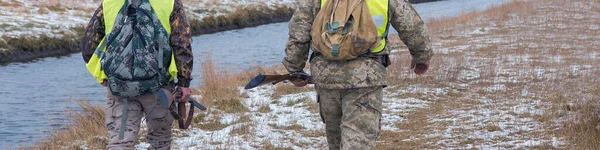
344 30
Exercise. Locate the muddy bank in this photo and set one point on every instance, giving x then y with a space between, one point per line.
244 18
23 49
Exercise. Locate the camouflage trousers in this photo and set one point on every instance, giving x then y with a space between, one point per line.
352 117
158 120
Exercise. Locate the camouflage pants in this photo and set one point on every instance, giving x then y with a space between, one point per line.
352 117
159 122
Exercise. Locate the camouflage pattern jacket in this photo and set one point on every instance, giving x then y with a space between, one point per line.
359 72
180 40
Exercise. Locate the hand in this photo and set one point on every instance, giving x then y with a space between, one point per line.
185 94
300 83
104 83
420 69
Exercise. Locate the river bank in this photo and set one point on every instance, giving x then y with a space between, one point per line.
40 41
48 34
507 78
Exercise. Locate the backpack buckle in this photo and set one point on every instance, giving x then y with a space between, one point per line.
335 50
332 28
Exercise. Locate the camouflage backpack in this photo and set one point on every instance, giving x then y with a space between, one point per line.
344 30
137 51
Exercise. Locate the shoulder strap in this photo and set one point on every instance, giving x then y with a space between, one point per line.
190 116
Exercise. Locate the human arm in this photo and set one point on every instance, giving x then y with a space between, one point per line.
94 33
180 40
413 32
298 44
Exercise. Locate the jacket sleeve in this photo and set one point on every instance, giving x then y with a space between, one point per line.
298 44
411 29
181 39
94 32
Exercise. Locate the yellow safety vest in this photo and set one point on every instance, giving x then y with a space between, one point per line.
111 8
379 11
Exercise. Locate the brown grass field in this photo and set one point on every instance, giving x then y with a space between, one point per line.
523 75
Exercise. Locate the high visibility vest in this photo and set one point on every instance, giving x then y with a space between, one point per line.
110 9
379 12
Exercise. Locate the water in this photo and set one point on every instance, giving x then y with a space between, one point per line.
34 95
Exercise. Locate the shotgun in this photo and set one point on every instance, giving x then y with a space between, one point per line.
178 94
262 79
163 96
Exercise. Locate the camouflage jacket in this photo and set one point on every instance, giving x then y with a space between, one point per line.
360 72
180 40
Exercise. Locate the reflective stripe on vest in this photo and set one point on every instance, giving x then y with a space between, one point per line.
110 9
379 11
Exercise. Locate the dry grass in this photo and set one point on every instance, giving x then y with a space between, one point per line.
221 88
414 126
244 130
575 111
268 145
26 48
513 67
230 106
496 13
42 43
218 87
11 4
298 101
59 6
295 127
264 109
87 128
211 124
583 129
288 88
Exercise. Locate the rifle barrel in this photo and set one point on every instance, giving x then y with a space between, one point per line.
272 79
197 104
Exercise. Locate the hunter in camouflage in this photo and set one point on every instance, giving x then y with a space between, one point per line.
137 63
158 117
180 40
350 92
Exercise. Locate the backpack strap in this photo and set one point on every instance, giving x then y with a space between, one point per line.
100 49
387 31
161 77
123 118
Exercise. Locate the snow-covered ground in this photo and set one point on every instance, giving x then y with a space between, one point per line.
488 90
509 69
32 18
490 86
58 17
291 121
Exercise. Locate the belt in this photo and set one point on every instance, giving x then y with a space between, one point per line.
382 59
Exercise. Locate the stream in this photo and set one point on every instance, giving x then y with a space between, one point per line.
35 95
